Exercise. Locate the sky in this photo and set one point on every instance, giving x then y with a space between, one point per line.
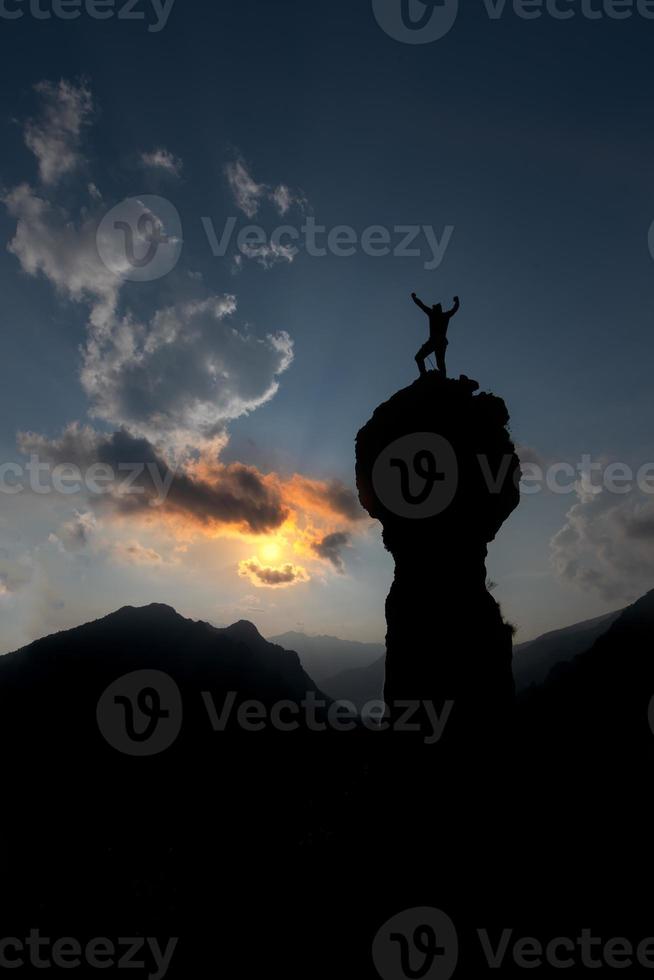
507 161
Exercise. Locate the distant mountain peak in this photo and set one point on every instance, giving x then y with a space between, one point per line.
152 609
244 629
325 656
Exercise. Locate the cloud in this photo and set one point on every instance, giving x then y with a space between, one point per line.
283 199
162 159
15 574
181 375
184 374
269 254
54 136
141 484
330 498
75 534
607 544
124 478
267 576
176 377
134 553
249 194
529 456
48 242
331 546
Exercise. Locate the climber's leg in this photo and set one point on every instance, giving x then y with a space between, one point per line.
422 354
440 359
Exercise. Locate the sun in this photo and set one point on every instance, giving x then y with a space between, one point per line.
271 551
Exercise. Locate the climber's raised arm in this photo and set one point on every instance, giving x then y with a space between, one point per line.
455 308
419 302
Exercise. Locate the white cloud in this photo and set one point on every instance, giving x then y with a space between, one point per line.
607 544
284 199
530 456
176 378
134 553
75 534
162 159
183 375
249 194
47 241
15 572
269 254
54 136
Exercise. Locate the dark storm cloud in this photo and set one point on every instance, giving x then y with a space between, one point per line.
331 547
344 501
232 494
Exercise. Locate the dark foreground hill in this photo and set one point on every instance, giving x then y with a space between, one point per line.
597 705
361 685
62 677
533 660
314 840
129 807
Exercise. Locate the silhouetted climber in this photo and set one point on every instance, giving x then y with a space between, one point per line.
439 321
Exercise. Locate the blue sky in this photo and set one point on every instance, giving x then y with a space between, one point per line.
531 139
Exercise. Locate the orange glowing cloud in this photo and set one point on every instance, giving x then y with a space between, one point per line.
272 577
285 518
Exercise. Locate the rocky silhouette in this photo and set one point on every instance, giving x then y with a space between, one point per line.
446 638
